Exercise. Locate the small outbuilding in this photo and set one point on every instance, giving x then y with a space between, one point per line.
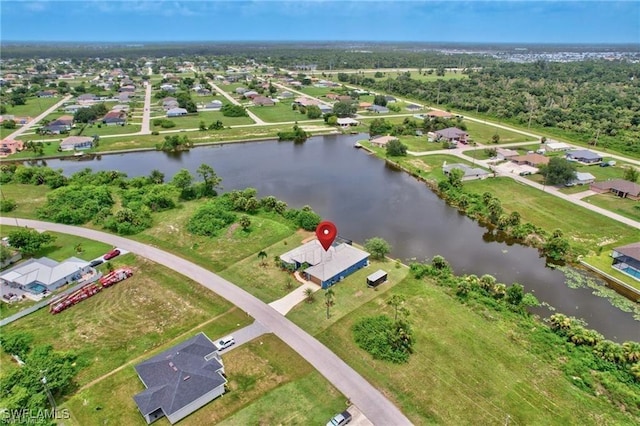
377 278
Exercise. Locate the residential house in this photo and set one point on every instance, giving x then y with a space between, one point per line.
382 141
506 154
626 259
115 118
378 109
620 187
583 179
439 114
305 102
10 146
241 90
63 120
469 172
326 268
167 105
325 109
72 109
250 94
286 95
38 275
263 101
215 104
452 135
127 89
176 112
203 92
124 108
347 122
413 107
168 88
332 96
180 380
584 156
51 129
19 120
124 97
533 160
73 143
364 105
557 146
87 97
390 99
47 93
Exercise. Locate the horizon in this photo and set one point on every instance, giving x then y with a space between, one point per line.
420 21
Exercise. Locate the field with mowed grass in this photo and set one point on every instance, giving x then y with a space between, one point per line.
33 107
550 212
268 384
27 197
623 206
483 133
131 318
470 367
281 111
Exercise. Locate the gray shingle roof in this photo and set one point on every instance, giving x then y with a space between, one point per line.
178 376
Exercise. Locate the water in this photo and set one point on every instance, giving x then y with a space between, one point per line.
365 198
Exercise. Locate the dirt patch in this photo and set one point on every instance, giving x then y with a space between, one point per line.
420 165
232 229
358 293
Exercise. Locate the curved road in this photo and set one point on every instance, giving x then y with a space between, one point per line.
367 398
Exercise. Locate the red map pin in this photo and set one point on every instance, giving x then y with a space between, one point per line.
326 233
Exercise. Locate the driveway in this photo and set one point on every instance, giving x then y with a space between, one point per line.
369 400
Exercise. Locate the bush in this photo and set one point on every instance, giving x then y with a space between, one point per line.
7 205
75 204
209 219
230 110
384 339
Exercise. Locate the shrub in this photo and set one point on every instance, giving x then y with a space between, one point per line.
384 339
209 219
7 205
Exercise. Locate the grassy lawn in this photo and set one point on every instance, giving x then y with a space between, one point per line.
28 197
482 133
281 111
469 359
550 212
123 322
623 206
566 190
265 280
350 294
216 253
419 143
603 173
102 130
603 261
263 374
33 107
192 121
316 92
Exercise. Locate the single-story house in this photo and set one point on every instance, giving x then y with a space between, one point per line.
305 102
347 122
63 120
469 172
241 90
52 129
364 105
452 134
216 104
72 109
533 160
506 154
87 97
127 89
382 141
332 96
438 114
180 380
250 94
203 92
286 95
390 99
626 259
47 93
344 98
114 118
325 109
620 187
263 101
378 109
413 107
124 108
19 120
167 87
557 146
76 142
584 156
583 179
326 267
167 105
38 275
176 112
10 146
124 97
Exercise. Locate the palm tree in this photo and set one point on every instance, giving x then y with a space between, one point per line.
329 299
487 282
78 248
309 296
610 351
396 302
632 351
499 291
262 256
635 370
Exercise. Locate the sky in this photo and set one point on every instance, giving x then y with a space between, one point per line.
509 21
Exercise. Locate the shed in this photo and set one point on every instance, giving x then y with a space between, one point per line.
377 278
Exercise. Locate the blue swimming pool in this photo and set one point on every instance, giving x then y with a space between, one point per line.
36 288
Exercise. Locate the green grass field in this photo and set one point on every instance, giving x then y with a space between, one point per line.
33 107
281 111
268 384
316 92
193 121
482 133
550 212
468 367
27 197
103 130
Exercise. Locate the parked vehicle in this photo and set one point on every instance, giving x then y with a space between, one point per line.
340 419
113 253
525 173
224 343
96 262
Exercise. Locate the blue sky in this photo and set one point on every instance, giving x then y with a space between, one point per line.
541 21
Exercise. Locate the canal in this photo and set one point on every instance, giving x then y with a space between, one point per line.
365 198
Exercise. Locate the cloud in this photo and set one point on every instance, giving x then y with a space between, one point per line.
36 6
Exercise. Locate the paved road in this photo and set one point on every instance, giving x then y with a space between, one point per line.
367 398
145 128
33 122
234 101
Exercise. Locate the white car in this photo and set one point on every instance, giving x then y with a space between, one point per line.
224 343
